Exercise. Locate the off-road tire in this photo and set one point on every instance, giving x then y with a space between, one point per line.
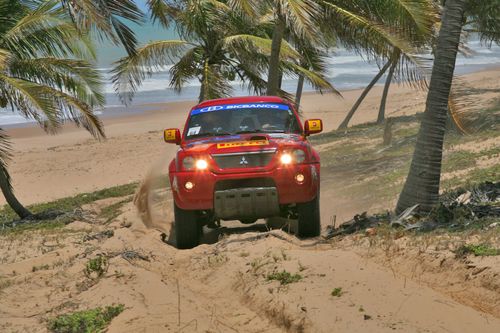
188 229
309 221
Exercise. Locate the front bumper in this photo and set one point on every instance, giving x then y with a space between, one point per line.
201 196
246 203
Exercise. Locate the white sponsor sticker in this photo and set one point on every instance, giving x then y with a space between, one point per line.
194 130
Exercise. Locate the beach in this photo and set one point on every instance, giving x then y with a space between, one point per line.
47 167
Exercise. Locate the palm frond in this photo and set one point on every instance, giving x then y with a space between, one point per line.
415 16
483 17
30 99
186 68
105 17
129 72
163 11
48 106
45 31
317 80
76 77
373 38
301 17
247 7
5 55
263 45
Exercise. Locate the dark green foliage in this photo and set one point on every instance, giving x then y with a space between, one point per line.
88 321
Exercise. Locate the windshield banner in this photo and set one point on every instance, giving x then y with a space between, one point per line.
240 106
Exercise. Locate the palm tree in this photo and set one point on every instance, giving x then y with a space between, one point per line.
42 75
299 17
410 21
423 181
105 17
218 44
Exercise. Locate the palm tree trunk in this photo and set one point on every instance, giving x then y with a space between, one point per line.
298 94
383 101
10 197
274 61
204 82
356 105
422 185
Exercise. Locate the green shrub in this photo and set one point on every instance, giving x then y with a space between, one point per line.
87 321
96 267
481 250
284 277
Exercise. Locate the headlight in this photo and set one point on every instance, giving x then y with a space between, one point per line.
298 156
295 156
286 158
201 164
188 163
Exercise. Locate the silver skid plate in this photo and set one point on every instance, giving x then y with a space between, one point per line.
243 203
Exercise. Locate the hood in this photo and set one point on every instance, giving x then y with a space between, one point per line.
242 142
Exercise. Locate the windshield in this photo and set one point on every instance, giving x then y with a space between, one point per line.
241 118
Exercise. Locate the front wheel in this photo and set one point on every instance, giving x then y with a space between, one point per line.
309 221
188 230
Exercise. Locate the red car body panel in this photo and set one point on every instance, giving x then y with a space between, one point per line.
201 196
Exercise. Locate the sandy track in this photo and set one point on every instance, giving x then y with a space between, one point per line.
223 287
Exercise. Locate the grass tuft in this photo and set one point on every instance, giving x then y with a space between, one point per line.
66 205
88 321
96 267
481 250
337 292
284 277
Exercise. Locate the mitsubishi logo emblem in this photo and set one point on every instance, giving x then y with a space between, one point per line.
243 161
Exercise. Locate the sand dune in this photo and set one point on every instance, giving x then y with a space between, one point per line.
225 287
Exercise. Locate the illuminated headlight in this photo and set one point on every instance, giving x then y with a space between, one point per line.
188 163
299 178
189 186
201 164
298 155
286 158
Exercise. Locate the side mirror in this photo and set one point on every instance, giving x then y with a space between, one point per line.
172 135
313 126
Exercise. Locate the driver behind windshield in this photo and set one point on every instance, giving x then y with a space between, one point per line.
226 122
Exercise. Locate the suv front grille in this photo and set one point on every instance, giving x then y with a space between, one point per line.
244 160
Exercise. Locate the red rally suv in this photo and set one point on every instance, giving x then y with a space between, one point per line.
244 158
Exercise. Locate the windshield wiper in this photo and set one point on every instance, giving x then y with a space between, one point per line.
260 131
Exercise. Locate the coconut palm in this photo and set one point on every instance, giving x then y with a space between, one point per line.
423 181
42 75
218 45
106 18
412 21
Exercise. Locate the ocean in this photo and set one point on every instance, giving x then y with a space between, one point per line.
346 70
